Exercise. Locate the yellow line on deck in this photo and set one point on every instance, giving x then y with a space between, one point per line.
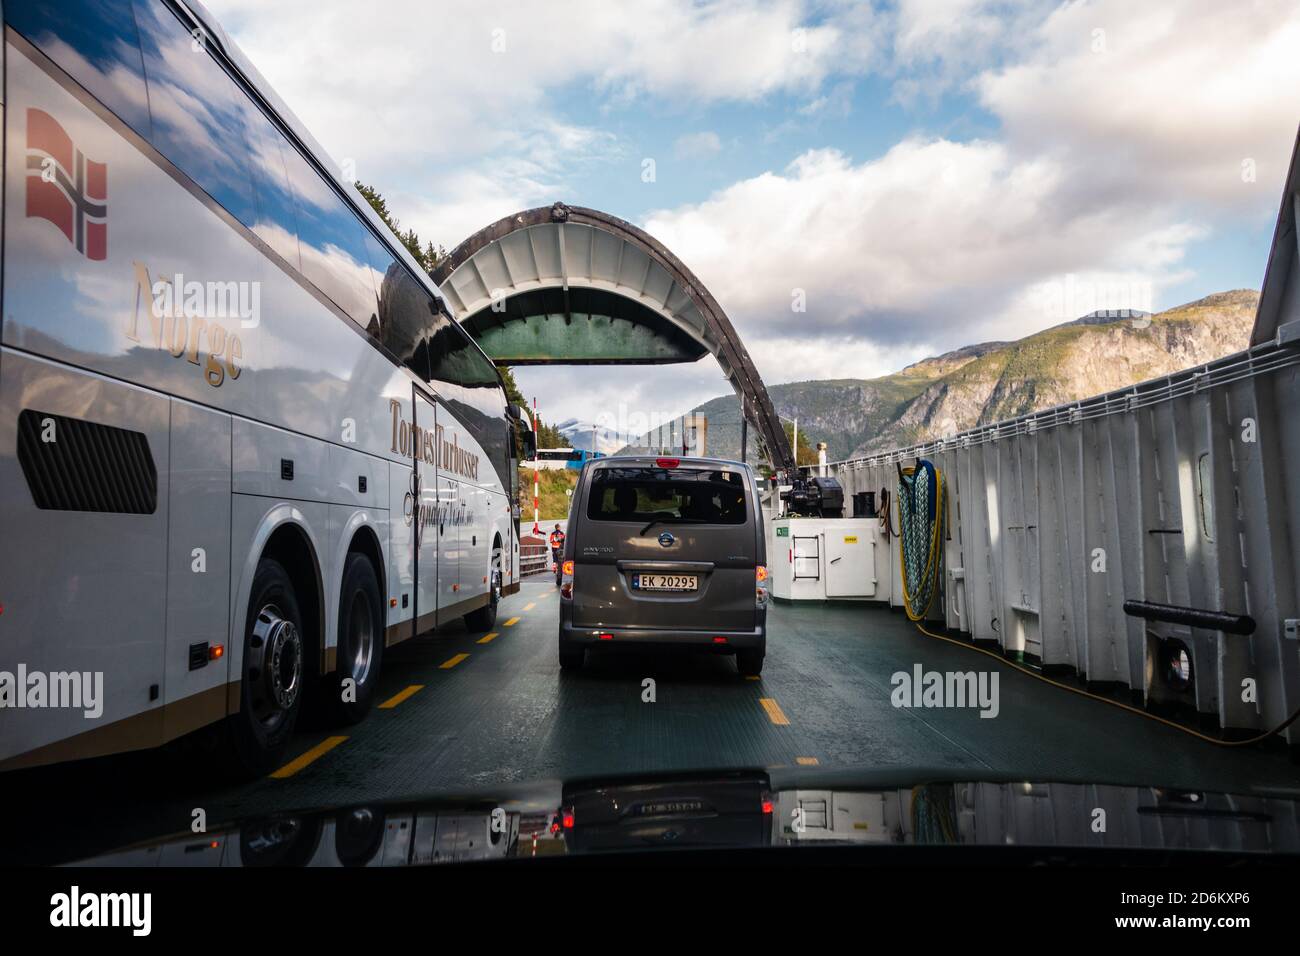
512 622
752 677
806 761
486 637
297 763
774 712
452 662
529 606
398 698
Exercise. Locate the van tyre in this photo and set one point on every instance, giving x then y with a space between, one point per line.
749 663
360 650
272 676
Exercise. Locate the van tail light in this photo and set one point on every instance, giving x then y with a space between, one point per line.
566 581
568 568
668 462
760 574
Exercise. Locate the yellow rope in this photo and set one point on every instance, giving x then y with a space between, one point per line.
936 538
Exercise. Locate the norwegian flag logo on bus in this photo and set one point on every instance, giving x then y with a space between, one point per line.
65 187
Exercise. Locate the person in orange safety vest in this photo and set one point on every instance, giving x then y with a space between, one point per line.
557 545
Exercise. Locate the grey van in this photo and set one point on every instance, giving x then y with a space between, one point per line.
665 553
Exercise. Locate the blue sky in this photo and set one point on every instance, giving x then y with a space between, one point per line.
930 172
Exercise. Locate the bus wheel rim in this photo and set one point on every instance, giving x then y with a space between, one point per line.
361 630
275 665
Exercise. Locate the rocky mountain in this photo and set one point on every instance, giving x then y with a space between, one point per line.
980 384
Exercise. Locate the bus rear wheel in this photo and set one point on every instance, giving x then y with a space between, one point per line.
273 674
351 688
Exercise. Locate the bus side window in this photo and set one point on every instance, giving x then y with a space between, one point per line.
105 47
456 360
275 220
331 242
196 110
405 313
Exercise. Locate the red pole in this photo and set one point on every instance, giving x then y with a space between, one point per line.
537 527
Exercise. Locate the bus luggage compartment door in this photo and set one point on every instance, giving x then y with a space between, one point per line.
83 570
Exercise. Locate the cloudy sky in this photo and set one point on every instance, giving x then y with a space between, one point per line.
929 173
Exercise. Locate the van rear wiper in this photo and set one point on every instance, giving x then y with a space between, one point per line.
666 520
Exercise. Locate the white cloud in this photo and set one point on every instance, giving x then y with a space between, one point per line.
935 242
411 89
1166 100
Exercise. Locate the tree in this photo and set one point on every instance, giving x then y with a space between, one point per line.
427 255
806 453
548 436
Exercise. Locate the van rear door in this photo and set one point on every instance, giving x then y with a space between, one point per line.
665 547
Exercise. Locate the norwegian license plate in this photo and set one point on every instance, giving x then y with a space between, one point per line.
665 582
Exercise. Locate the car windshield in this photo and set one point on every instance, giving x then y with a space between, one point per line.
649 428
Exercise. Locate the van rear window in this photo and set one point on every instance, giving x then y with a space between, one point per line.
688 494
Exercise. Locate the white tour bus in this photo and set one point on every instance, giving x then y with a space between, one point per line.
244 445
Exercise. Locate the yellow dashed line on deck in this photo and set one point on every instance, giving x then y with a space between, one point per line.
512 622
806 761
774 712
753 677
452 662
296 764
486 638
398 698
529 606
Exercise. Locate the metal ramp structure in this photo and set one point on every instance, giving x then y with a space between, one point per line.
569 285
1182 491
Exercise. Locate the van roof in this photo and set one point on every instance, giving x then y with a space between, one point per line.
622 461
